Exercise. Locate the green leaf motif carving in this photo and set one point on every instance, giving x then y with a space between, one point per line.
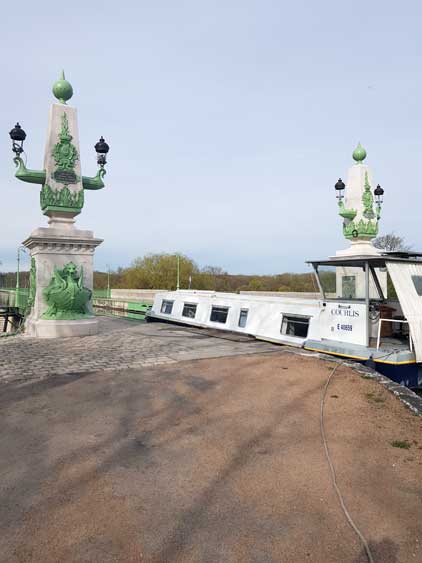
65 153
360 229
61 198
65 295
368 200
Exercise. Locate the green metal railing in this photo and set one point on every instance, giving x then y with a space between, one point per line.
14 298
101 293
102 304
13 306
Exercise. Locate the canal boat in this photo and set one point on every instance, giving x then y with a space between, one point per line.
368 307
363 325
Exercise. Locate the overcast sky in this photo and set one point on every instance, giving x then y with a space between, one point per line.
229 122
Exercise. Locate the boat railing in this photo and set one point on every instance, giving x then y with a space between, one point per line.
393 321
121 307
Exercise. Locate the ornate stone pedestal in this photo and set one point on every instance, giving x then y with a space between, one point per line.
360 248
61 280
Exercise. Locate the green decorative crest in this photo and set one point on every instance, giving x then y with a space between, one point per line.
360 229
65 295
64 198
65 156
368 200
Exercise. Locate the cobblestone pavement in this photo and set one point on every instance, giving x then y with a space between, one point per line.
120 344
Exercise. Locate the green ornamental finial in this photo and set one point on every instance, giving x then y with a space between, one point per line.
359 154
62 89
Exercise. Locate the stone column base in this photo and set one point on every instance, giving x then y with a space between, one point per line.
60 329
359 248
51 249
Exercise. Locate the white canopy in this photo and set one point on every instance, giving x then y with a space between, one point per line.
404 277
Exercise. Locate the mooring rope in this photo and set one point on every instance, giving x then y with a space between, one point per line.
333 472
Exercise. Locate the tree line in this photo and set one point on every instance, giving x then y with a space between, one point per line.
159 271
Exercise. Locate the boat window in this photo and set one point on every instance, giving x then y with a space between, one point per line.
219 314
189 310
417 282
243 317
349 282
327 278
295 325
348 287
167 306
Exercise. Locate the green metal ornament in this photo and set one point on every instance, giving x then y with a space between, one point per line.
61 200
62 89
359 154
346 213
368 200
65 295
65 155
360 229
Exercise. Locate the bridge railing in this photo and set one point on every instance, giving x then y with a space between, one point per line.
10 298
102 305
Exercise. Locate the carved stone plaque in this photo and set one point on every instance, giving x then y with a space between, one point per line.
65 177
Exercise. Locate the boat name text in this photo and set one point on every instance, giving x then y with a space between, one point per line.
345 312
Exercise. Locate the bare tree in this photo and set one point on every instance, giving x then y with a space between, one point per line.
391 242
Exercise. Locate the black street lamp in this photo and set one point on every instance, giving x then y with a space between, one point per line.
102 149
339 187
18 135
378 193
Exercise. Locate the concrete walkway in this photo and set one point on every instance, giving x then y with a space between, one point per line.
206 461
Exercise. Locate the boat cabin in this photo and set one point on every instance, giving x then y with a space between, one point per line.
372 308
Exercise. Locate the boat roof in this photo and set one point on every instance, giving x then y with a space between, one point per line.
218 297
376 261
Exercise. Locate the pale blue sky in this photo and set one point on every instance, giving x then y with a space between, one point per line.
229 121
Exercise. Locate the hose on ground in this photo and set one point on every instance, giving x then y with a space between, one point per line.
333 472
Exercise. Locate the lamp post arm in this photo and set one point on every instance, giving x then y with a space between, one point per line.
346 213
32 176
39 176
95 183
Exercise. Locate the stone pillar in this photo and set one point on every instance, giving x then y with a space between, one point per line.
60 300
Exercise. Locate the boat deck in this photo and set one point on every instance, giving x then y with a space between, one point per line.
392 350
